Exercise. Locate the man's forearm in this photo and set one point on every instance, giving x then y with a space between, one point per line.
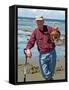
31 41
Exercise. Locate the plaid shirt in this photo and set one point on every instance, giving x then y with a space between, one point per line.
42 39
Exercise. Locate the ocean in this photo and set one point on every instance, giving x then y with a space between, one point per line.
27 25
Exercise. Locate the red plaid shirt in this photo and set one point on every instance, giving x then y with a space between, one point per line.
42 38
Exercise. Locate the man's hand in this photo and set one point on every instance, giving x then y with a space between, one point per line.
28 53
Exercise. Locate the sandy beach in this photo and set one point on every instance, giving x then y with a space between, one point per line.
33 69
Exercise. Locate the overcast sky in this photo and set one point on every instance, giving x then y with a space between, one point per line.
49 14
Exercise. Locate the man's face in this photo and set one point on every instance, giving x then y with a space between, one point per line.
40 24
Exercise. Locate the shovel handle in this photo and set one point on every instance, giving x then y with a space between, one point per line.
25 67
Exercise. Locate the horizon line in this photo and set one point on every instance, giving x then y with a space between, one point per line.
44 18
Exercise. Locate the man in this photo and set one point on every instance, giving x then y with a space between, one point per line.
44 39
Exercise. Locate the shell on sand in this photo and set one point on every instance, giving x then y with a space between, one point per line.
31 69
60 68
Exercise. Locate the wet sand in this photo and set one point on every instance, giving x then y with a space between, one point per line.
34 73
